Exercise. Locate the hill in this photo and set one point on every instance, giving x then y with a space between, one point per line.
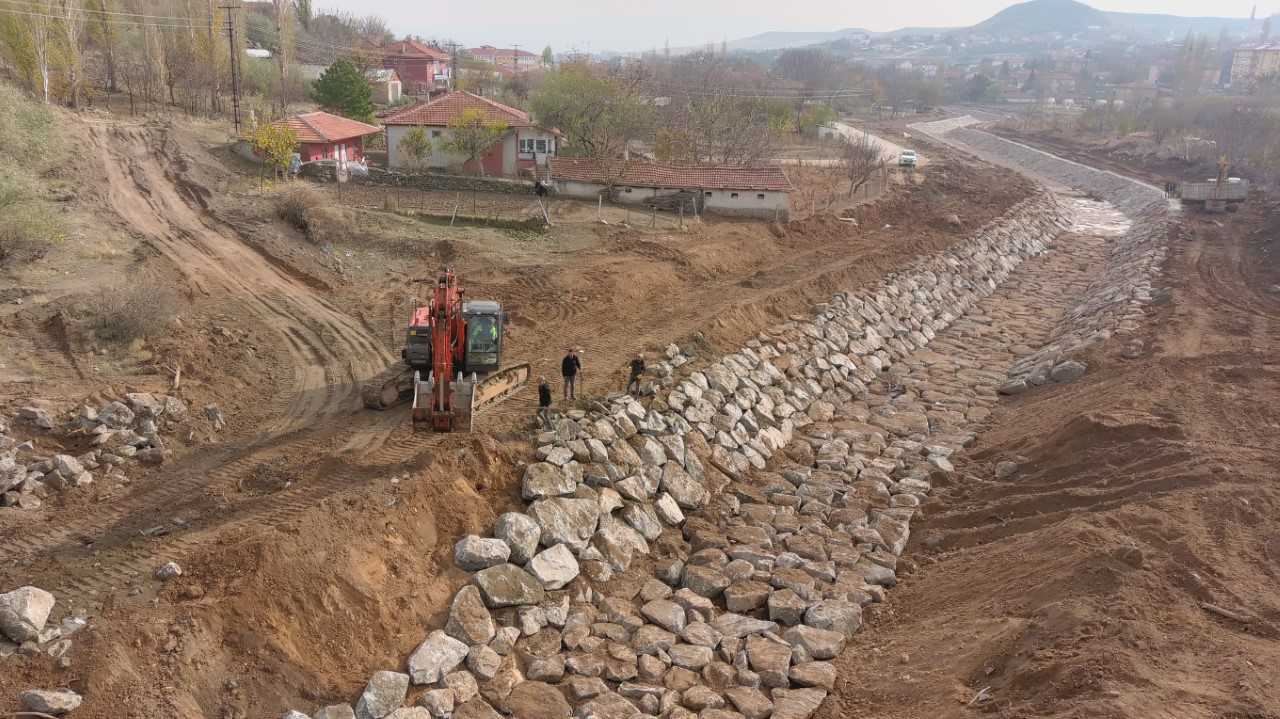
784 40
1037 16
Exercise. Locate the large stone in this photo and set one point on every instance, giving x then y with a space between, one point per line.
814 674
702 697
439 702
738 625
666 614
537 700
554 567
691 656
483 661
543 480
705 581
410 713
746 595
469 620
438 655
608 706
567 521
753 703
619 543
1068 371
521 534
668 510
477 708
335 711
507 585
835 615
812 643
56 702
797 703
787 607
685 490
23 613
474 553
67 465
770 659
383 695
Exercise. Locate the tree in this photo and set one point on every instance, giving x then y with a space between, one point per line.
472 134
548 58
596 113
815 116
303 8
283 52
72 17
861 158
343 89
416 145
276 144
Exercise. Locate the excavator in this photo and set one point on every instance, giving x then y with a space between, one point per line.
452 356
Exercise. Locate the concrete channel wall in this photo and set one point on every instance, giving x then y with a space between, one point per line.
664 567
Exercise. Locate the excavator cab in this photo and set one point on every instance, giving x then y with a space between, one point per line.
483 351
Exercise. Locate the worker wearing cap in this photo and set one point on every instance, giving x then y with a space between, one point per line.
637 369
569 368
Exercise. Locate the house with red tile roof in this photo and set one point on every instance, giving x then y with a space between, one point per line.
761 191
322 136
421 67
525 146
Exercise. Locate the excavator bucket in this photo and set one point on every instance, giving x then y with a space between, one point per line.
464 393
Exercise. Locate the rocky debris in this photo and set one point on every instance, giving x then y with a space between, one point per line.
1068 371
438 655
56 702
521 534
1005 470
474 553
335 711
24 612
167 571
544 479
384 694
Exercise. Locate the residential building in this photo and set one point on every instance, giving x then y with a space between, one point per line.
1252 63
524 147
322 136
760 192
421 67
385 84
517 60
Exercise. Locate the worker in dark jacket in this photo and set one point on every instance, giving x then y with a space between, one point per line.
544 403
569 368
637 369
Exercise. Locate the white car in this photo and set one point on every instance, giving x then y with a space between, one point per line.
907 158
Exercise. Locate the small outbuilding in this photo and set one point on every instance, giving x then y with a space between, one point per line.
322 136
385 85
761 192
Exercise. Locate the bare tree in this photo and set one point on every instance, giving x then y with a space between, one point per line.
42 44
72 16
862 159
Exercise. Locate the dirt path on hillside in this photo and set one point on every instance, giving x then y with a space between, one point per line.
1093 582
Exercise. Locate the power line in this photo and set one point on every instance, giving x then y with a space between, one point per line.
27 4
129 23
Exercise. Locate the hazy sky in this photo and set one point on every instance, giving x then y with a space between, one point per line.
597 25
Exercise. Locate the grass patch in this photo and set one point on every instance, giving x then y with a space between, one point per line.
127 313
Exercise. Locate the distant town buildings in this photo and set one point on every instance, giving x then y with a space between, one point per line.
1252 63
513 58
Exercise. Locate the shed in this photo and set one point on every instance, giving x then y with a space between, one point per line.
741 191
385 84
322 136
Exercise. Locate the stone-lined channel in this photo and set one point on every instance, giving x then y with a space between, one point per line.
708 555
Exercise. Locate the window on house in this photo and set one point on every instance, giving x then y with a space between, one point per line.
527 144
759 195
733 195
436 133
542 145
628 189
707 193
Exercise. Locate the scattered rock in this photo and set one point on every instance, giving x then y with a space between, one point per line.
474 553
520 533
507 585
384 694
469 619
537 700
56 702
167 571
438 655
554 567
1068 371
23 613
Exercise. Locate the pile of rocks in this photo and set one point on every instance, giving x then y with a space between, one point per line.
756 579
25 630
121 432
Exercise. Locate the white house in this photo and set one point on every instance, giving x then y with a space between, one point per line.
523 147
761 192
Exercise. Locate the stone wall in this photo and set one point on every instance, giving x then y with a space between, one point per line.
438 181
660 570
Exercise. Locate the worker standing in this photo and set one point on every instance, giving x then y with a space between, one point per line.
637 369
569 368
544 402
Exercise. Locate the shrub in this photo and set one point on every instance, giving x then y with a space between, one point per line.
27 229
297 205
129 312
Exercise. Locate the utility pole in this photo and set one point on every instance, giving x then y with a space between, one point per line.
235 64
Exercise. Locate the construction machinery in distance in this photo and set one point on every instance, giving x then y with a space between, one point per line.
452 360
1215 194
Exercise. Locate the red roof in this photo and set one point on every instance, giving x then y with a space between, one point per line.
413 48
491 51
450 106
323 127
666 176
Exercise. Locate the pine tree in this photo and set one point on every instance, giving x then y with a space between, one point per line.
343 89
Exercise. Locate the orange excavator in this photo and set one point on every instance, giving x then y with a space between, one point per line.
452 358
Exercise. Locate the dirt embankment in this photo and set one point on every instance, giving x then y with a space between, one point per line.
317 555
1127 569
